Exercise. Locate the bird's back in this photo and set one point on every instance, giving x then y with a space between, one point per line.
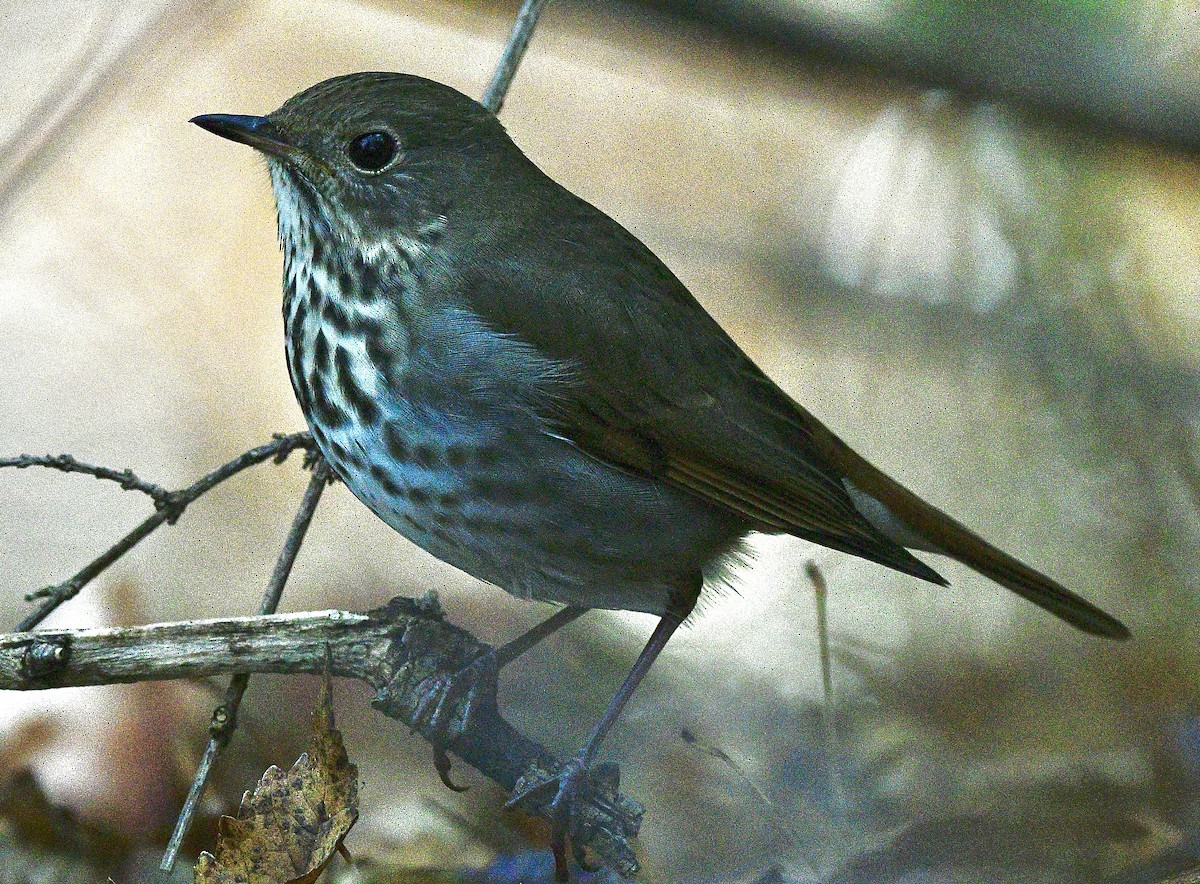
663 390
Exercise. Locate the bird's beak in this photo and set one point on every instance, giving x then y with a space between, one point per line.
254 131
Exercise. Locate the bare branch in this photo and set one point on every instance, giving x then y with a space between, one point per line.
514 51
127 479
396 649
168 509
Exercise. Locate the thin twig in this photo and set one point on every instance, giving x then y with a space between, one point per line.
166 513
224 719
127 479
396 649
514 51
820 598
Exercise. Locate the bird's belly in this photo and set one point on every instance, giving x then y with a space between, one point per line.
528 511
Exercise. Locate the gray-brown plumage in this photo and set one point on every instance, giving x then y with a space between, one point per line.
618 356
515 382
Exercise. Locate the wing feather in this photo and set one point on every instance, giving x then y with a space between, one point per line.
658 387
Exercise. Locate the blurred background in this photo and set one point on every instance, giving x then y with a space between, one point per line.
965 235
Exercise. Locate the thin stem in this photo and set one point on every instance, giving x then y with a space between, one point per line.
514 51
224 719
169 509
291 547
829 729
820 597
56 595
277 449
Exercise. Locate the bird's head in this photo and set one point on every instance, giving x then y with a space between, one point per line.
369 158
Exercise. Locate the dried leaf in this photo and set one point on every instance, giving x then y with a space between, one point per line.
293 823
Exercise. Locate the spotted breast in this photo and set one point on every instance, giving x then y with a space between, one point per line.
400 388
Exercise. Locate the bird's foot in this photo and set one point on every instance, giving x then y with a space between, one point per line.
583 805
446 703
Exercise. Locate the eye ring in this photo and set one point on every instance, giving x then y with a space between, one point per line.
372 152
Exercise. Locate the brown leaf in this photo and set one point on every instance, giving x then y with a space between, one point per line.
293 823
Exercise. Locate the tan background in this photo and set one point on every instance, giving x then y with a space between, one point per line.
1002 315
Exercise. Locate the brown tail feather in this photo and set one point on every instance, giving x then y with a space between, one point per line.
961 543
976 553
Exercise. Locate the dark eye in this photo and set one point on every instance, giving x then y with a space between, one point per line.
372 151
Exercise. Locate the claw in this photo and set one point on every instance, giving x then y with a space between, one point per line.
442 762
530 792
568 784
586 811
433 692
539 783
445 706
418 713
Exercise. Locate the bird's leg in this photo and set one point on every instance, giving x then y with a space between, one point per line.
505 654
446 701
576 775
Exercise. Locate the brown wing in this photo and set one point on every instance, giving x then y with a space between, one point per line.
660 387
776 489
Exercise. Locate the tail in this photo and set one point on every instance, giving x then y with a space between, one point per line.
950 537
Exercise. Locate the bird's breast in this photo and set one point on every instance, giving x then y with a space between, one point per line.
381 371
450 432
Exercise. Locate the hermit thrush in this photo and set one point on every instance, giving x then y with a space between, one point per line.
514 382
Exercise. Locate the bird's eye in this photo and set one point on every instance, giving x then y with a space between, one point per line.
371 151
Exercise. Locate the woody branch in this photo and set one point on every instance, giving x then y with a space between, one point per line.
397 649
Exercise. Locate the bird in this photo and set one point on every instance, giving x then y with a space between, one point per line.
513 381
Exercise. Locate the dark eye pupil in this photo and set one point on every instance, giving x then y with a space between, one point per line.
372 151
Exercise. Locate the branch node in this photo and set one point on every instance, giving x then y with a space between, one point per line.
45 657
220 726
312 457
60 592
425 648
174 503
